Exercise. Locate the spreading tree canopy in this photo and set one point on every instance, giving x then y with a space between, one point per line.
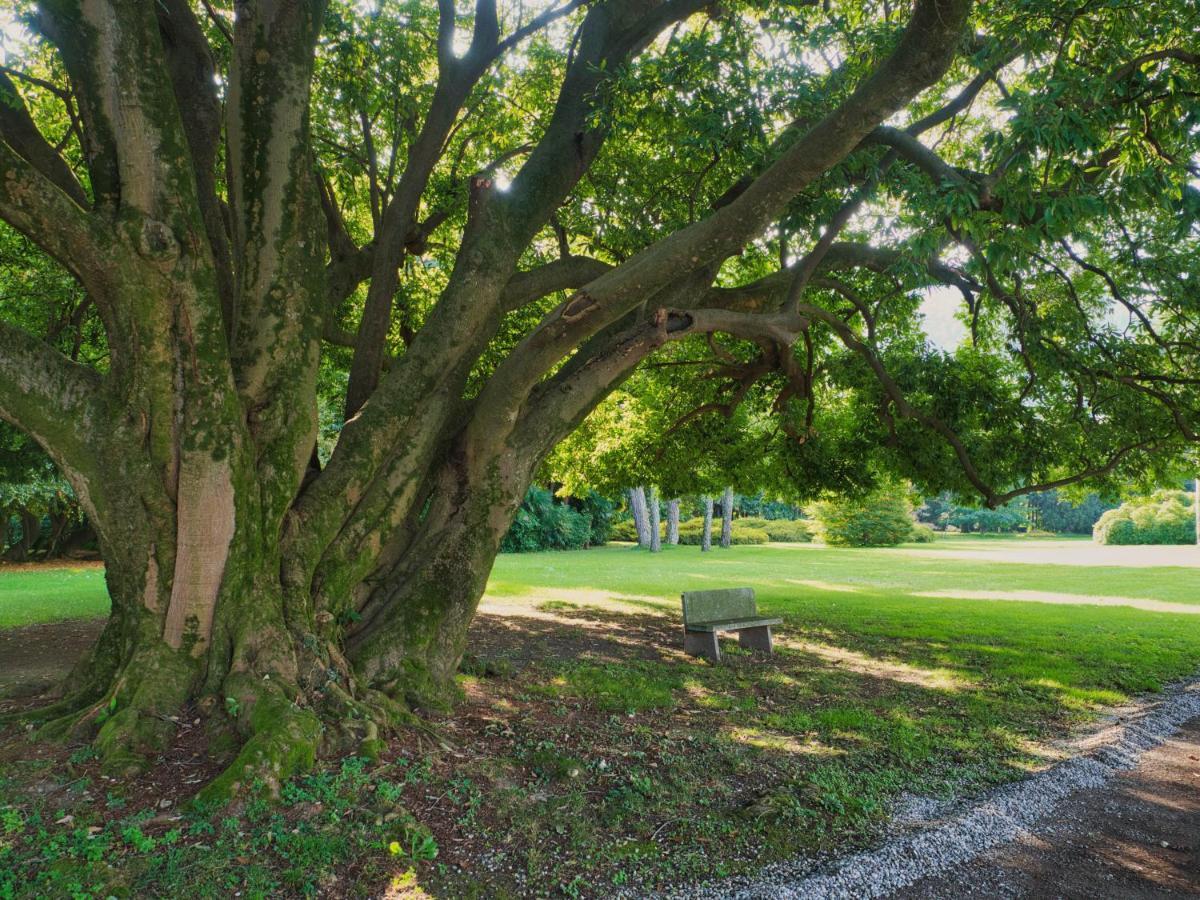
456 228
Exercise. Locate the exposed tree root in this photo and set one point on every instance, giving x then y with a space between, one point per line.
283 739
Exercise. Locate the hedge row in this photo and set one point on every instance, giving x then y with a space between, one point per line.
748 530
1165 517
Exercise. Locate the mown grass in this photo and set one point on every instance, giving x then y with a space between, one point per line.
590 753
51 594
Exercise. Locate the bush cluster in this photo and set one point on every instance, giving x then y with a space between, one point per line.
780 531
881 519
745 531
692 532
1165 517
624 530
922 534
544 523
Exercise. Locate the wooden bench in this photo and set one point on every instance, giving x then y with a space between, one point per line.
706 613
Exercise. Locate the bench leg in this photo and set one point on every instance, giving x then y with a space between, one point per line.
756 638
702 643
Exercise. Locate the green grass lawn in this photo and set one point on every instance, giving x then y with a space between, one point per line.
588 752
51 594
873 601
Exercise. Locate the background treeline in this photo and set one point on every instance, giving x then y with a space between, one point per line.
40 517
884 517
1044 512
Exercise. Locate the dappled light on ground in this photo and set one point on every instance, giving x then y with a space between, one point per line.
877 667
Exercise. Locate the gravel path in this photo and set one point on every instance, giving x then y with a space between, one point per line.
1136 838
952 837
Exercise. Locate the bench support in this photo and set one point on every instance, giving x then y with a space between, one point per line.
702 643
756 639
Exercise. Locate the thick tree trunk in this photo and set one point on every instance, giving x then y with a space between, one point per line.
727 518
655 521
673 522
706 537
201 617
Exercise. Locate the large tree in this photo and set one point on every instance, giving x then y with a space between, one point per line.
488 218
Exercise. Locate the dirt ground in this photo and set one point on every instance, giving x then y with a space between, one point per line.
33 658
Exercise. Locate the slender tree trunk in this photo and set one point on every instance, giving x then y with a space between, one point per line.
706 536
641 517
727 518
59 526
31 528
673 522
655 521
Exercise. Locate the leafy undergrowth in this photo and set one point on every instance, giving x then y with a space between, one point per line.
589 756
67 831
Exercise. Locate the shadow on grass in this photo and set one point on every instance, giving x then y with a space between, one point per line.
606 744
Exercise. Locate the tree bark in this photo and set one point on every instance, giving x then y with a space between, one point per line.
655 521
706 537
727 517
641 515
673 522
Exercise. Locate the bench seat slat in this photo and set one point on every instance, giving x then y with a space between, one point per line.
731 624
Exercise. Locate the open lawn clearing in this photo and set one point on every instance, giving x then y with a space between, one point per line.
52 592
590 754
1056 552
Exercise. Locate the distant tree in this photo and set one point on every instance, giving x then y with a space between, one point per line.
1011 517
727 517
655 521
706 537
673 522
1050 512
936 511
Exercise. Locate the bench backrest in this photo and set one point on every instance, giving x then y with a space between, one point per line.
715 606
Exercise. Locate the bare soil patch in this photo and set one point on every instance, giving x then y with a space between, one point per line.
34 658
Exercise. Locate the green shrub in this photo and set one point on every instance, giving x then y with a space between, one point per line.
600 509
541 523
623 531
881 519
922 534
788 531
752 522
692 531
1165 517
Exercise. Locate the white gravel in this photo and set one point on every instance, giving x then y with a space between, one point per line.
969 831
